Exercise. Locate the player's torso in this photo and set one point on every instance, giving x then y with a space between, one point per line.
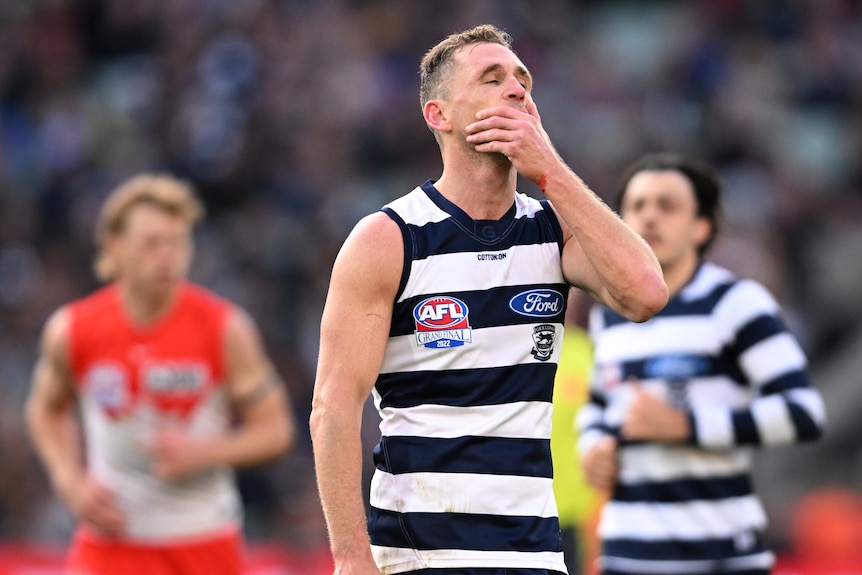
477 293
667 493
135 382
465 391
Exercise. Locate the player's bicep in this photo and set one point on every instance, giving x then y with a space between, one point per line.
250 377
52 386
358 311
580 272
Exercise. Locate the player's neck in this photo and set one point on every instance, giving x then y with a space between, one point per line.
678 275
143 307
483 187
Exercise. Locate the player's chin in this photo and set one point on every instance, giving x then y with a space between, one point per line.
499 157
164 283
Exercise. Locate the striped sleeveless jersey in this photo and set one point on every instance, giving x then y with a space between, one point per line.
463 468
720 351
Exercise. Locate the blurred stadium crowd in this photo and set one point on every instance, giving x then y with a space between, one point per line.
296 117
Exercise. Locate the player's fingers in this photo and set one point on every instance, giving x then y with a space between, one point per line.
105 516
492 135
498 113
532 109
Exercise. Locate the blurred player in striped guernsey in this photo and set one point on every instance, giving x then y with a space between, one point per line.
678 402
448 305
174 388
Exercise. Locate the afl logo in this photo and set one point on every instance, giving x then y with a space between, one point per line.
442 322
538 303
107 383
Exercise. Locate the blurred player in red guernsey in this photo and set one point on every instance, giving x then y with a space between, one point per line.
174 388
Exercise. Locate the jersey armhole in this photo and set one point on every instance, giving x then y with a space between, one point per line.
407 239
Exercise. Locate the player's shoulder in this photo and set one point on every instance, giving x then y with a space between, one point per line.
195 293
97 307
376 234
370 260
54 338
421 206
734 294
203 301
95 302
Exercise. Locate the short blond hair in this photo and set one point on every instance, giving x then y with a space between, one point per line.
436 66
167 193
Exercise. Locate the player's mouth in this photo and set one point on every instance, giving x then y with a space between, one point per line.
652 239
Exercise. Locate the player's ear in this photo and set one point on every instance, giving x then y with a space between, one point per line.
436 116
702 231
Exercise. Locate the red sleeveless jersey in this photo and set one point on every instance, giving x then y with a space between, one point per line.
134 382
170 365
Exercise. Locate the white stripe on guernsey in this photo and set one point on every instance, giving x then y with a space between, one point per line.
530 420
714 427
463 493
686 521
652 462
704 393
525 206
660 336
449 273
762 560
589 414
716 390
745 301
490 347
588 439
771 358
811 401
393 560
772 417
705 281
417 208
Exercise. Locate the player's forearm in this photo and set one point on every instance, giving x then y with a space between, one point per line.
338 463
262 436
771 420
627 266
55 436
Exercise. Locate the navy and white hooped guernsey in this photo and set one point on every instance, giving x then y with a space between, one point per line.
463 468
720 351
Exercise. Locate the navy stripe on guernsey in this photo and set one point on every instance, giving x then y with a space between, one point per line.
685 490
472 454
720 350
463 477
488 308
678 306
483 532
460 388
677 550
437 238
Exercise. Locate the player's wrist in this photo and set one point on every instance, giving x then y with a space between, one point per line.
67 479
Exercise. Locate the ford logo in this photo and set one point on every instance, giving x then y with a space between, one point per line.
538 303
